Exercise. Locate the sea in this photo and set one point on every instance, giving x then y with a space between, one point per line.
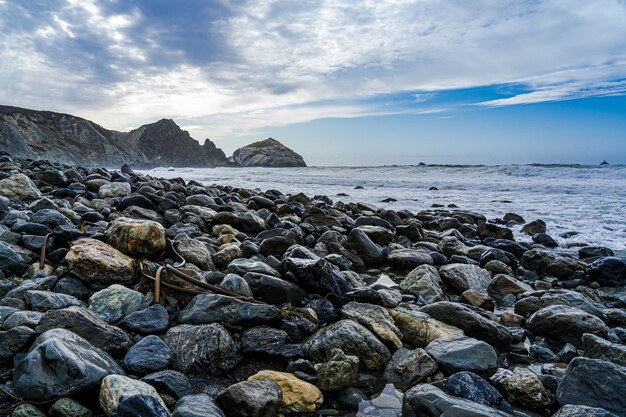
587 200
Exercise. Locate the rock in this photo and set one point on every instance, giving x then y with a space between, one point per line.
140 405
22 318
315 276
115 302
206 349
298 396
269 341
486 230
408 258
426 281
267 153
462 277
408 368
352 339
61 363
260 398
472 387
46 300
137 238
274 290
195 252
566 324
545 240
27 410
550 263
148 355
197 405
594 383
242 266
115 388
428 401
594 251
153 319
86 324
14 340
503 285
478 299
419 329
376 319
365 248
114 189
95 261
337 372
470 322
461 353
67 407
608 272
18 187
498 267
598 348
523 388
582 411
172 383
531 304
13 259
450 246
534 227
211 308
227 254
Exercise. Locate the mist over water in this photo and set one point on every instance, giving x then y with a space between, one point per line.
590 200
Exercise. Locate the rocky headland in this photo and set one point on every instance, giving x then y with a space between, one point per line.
65 138
125 295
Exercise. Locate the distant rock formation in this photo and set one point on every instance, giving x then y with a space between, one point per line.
267 153
604 162
69 139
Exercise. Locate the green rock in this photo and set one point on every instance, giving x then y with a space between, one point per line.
115 302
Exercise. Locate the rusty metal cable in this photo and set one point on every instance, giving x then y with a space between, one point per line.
42 257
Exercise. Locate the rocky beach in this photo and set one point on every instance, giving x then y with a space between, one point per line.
123 295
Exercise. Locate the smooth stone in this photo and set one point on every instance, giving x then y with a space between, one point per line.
337 372
474 388
27 410
154 319
523 388
211 308
22 318
67 407
115 388
375 318
61 363
260 398
428 401
194 252
242 266
503 285
598 348
148 355
298 396
197 405
14 340
137 238
408 368
462 277
140 405
531 304
365 248
115 302
564 323
236 284
227 254
95 261
114 189
419 329
274 290
461 353
269 341
315 276
169 382
425 280
408 259
18 187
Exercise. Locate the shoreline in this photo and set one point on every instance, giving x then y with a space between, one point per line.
291 304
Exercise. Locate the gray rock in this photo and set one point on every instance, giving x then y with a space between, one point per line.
115 389
315 276
337 372
251 399
194 252
140 405
531 304
594 383
242 266
462 277
408 368
267 153
67 407
95 261
408 259
472 387
14 260
61 363
212 308
274 290
352 339
608 272
545 262
425 280
461 353
502 286
197 405
598 348
365 248
154 319
137 238
46 300
269 341
236 284
428 401
115 302
18 187
22 318
523 388
172 383
207 349
564 323
14 340
375 318
582 411
148 355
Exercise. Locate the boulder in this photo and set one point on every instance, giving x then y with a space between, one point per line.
274 290
114 189
212 308
472 387
598 348
426 281
14 340
608 272
95 261
195 252
267 153
154 319
14 260
375 318
46 300
502 285
315 276
148 355
260 398
115 388
462 277
365 248
136 238
583 411
419 329
197 405
461 353
428 401
545 262
172 383
408 368
18 187
566 324
115 302
67 407
408 259
337 372
242 266
269 341
523 388
143 405
298 396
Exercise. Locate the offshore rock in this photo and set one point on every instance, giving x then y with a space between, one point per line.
267 153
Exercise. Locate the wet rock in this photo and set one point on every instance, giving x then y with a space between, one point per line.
462 277
274 290
195 252
428 401
95 261
461 353
87 325
594 383
376 319
169 382
582 411
18 187
137 238
115 302
534 227
470 322
114 189
408 368
236 284
419 329
594 251
148 355
352 339
206 349
523 388
315 276
365 248
67 407
227 254
211 308
22 318
269 341
408 259
153 319
242 266
46 300
502 286
450 246
426 281
550 263
545 240
260 398
14 340
197 405
608 272
49 369
27 410
531 304
564 323
337 372
115 388
143 405
472 387
598 348
487 230
14 260
298 396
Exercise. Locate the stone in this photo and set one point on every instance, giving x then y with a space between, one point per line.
242 266
140 405
14 260
594 383
462 277
14 340
461 353
22 318
450 246
115 388
594 252
18 187
27 410
194 252
365 248
154 319
478 299
148 355
260 398
353 339
115 302
426 281
378 234
566 324
375 318
207 349
387 403
95 261
608 272
534 227
408 368
197 405
114 189
531 304
486 230
236 284
274 290
470 322
211 308
582 411
598 348
269 341
337 372
408 259
315 276
523 388
86 324
136 238
545 262
61 363
502 285
474 388
419 329
429 401
67 407
298 396
227 254
169 382
46 300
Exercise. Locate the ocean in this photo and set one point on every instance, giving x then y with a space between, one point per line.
589 200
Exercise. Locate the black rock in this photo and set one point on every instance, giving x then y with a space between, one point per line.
274 290
140 405
148 355
269 341
594 251
260 398
315 276
425 400
14 340
461 353
608 272
211 308
472 387
197 405
173 383
46 300
153 319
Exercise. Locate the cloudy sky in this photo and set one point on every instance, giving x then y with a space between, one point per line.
342 82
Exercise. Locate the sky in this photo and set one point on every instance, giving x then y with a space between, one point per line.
341 82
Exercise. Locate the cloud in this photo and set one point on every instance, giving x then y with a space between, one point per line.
230 68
